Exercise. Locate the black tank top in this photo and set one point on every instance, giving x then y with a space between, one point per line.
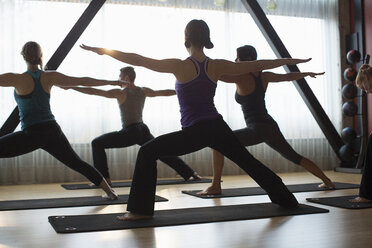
253 105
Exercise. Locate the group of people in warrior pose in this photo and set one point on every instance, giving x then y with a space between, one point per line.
202 126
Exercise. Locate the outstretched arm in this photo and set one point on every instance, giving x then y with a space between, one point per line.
230 78
115 93
164 65
152 93
274 77
62 80
9 79
225 67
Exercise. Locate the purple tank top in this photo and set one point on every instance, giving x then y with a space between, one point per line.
196 96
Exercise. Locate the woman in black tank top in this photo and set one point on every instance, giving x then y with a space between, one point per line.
261 127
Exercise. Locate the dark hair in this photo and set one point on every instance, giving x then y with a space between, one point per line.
32 53
197 34
129 71
246 53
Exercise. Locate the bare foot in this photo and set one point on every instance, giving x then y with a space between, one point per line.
92 185
327 185
360 200
212 190
112 196
195 177
132 216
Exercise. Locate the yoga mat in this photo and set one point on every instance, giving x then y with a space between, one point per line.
340 202
106 222
249 191
128 184
65 202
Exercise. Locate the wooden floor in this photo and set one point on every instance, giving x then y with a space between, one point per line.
338 228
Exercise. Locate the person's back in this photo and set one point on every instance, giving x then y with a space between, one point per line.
25 82
34 107
250 89
132 107
253 103
196 96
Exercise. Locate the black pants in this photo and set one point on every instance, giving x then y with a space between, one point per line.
134 134
366 183
49 137
268 132
214 134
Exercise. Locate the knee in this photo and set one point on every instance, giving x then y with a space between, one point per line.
299 160
294 157
147 152
96 143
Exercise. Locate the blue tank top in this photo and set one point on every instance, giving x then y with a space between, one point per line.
253 105
196 96
34 108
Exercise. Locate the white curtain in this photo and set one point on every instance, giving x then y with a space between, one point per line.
308 29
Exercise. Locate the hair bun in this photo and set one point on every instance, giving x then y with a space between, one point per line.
209 44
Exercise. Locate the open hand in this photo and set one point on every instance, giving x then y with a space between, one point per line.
298 61
313 74
98 50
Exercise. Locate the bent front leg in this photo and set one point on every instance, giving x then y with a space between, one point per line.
142 193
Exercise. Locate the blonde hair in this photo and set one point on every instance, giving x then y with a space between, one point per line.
32 53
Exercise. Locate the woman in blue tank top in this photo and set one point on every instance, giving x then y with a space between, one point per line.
39 128
261 127
202 126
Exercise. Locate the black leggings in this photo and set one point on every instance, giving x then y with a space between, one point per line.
134 134
268 132
214 134
366 183
49 137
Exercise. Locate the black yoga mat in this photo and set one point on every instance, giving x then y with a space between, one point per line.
105 222
341 202
128 184
249 191
65 202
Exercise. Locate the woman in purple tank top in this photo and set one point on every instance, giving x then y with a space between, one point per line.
202 126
